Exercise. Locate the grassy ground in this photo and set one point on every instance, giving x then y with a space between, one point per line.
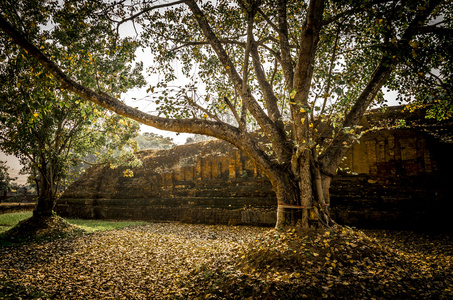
7 221
188 261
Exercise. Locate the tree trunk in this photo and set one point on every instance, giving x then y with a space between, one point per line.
303 199
289 210
46 199
44 207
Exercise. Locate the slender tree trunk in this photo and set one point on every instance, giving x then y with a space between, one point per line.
46 199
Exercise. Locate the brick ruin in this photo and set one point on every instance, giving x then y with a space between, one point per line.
397 178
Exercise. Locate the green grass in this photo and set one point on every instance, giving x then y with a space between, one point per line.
8 220
102 225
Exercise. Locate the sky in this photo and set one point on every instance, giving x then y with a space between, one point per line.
13 163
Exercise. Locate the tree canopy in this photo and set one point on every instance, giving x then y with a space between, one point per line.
47 128
302 72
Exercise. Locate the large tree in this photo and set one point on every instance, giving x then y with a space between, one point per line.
303 72
46 127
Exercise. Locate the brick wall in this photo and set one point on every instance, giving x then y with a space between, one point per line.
396 178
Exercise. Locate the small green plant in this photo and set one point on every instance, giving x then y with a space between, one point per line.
401 123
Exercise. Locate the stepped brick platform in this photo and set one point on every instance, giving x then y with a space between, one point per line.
397 178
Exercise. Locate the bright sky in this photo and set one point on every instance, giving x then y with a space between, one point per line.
13 163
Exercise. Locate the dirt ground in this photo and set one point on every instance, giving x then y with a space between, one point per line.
186 261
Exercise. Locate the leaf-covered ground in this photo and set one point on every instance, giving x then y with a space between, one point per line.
182 261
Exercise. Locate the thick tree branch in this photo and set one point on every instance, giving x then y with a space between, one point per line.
245 70
266 88
332 155
303 73
253 106
205 127
286 59
177 125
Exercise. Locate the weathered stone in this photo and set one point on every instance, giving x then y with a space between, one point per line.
396 178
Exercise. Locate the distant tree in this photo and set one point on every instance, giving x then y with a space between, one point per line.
197 138
150 140
47 128
285 67
6 181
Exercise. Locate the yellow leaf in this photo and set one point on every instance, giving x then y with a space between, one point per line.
302 110
36 114
227 67
128 173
